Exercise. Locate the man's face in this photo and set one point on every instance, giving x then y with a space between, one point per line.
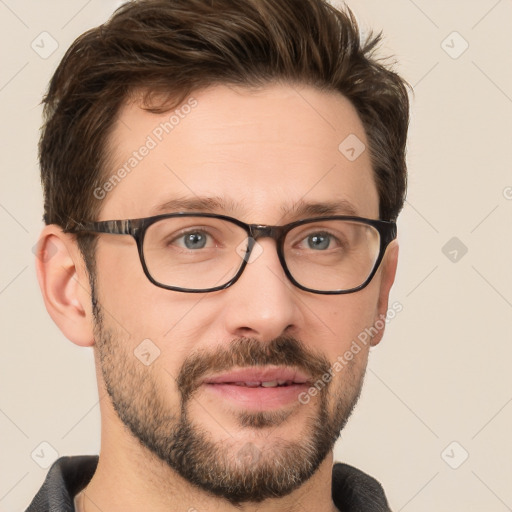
260 154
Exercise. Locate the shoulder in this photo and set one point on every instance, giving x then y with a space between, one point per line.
355 491
66 477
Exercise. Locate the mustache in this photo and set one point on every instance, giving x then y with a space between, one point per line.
250 352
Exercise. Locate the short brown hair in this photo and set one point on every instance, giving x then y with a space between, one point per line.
176 47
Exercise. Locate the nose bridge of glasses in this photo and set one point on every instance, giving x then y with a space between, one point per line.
262 231
258 231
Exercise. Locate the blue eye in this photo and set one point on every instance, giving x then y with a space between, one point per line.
319 241
195 240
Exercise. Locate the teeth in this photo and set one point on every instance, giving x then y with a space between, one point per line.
252 384
267 384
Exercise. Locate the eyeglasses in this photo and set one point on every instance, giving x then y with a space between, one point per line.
202 252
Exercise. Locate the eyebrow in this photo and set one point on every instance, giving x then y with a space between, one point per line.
300 209
312 209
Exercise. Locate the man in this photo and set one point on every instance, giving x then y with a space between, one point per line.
221 182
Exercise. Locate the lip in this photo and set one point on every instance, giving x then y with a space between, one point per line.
255 374
232 387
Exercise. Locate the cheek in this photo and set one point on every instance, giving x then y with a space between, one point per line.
142 309
164 322
120 278
336 323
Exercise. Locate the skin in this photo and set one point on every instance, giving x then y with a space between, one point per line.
262 150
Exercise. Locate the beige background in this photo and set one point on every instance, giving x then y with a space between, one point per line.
442 374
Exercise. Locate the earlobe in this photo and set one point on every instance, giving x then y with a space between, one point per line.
388 272
64 284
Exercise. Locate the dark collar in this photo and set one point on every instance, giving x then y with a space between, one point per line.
352 490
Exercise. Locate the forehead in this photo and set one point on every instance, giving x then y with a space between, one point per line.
261 152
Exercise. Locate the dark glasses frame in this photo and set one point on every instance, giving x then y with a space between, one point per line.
137 228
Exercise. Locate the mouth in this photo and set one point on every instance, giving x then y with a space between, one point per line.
259 389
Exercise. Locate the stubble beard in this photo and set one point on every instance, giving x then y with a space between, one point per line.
263 467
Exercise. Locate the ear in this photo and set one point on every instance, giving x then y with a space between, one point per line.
64 283
387 278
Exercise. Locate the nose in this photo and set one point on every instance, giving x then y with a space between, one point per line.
263 304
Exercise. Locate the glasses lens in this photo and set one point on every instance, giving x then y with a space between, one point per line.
332 255
194 253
